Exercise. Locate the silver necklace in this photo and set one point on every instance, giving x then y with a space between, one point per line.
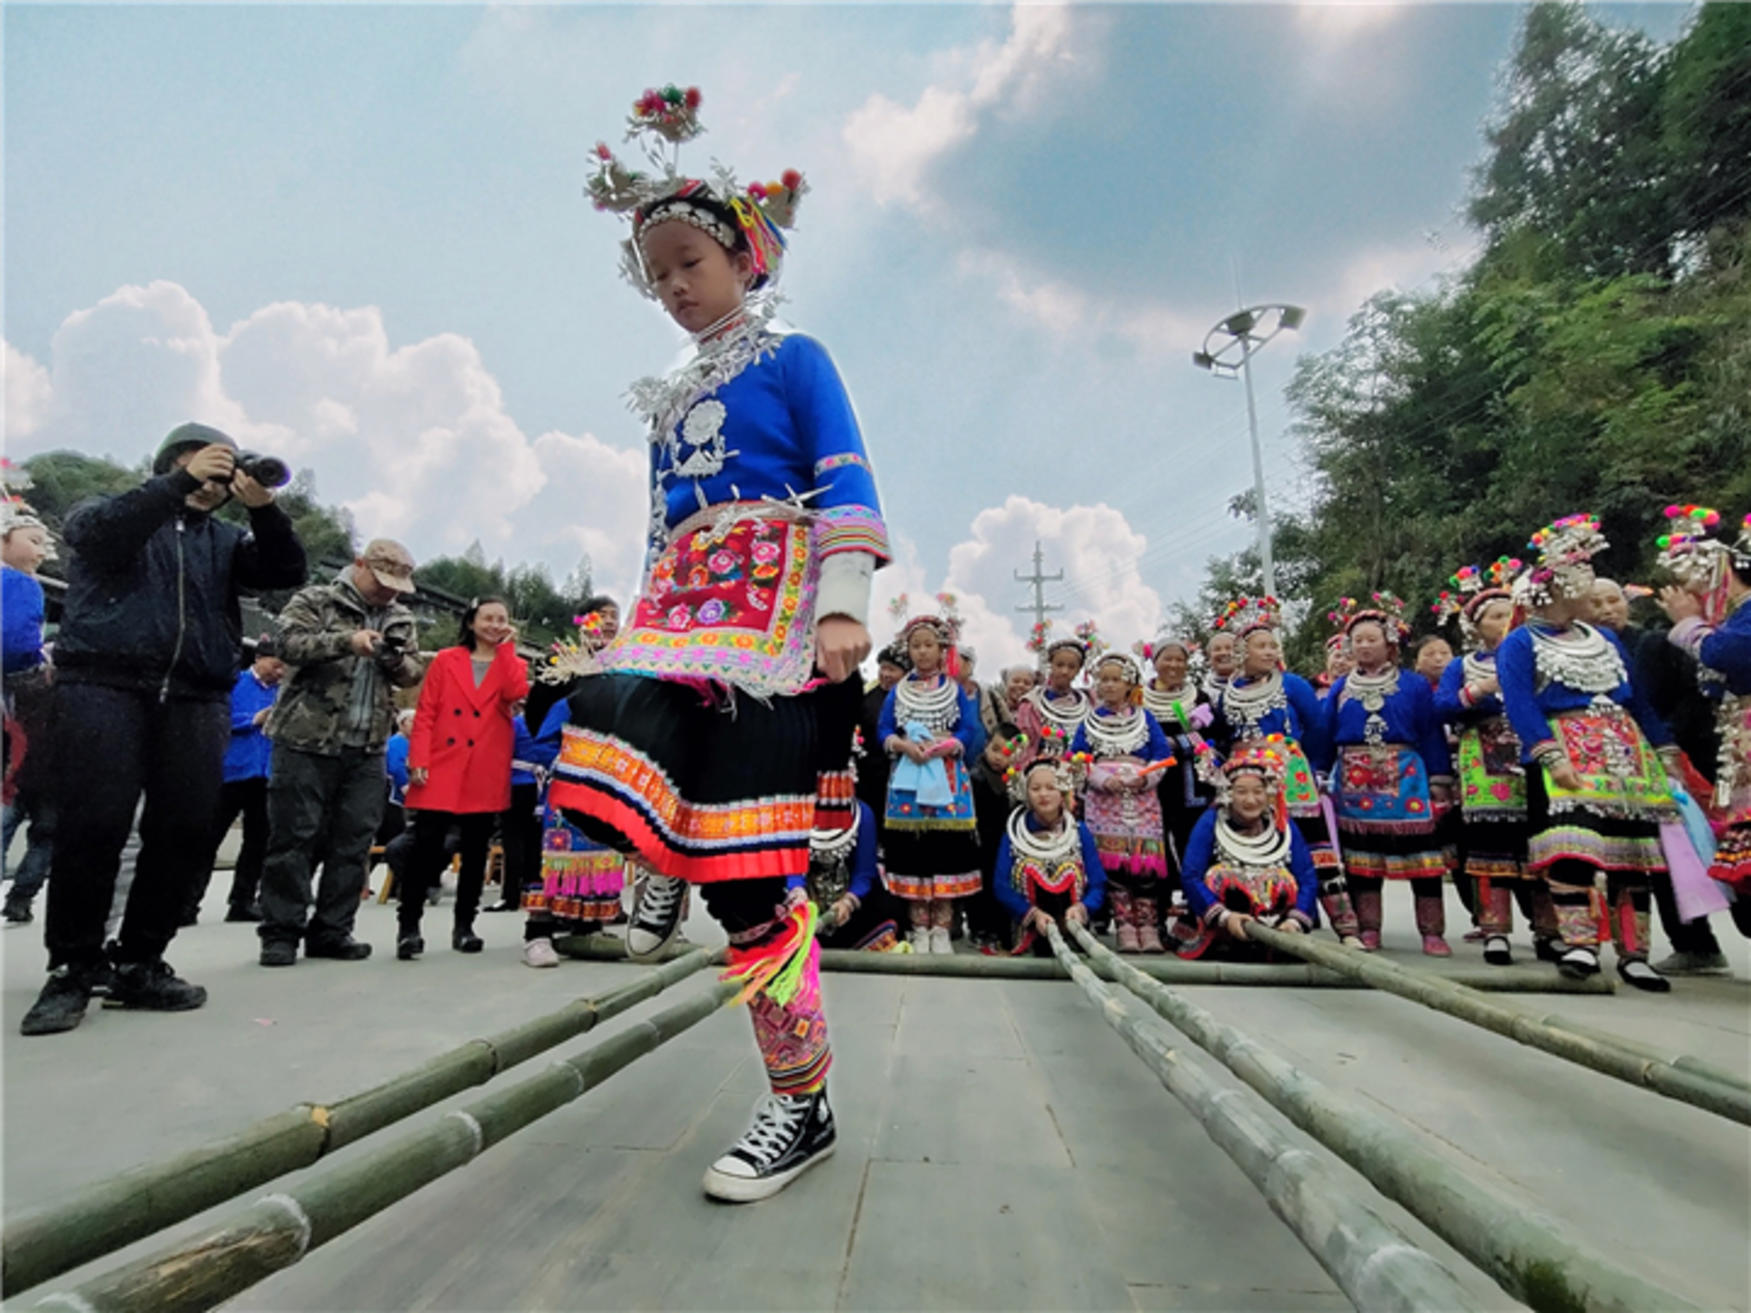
1120 735
1581 658
1247 705
828 844
1042 845
1171 704
1075 701
1372 691
1214 685
938 708
1479 666
1270 848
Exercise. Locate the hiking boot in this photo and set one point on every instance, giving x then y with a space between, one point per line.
61 1004
409 946
153 987
1693 964
279 953
790 1134
656 917
464 940
17 910
341 950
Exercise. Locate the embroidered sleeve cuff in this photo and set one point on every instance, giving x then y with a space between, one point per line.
845 584
853 529
1549 750
1688 633
1216 916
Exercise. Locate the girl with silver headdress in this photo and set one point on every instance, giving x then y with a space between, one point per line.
1054 710
1488 777
930 728
1596 792
1245 860
1391 767
1048 863
1262 699
1184 712
1711 620
1126 750
730 692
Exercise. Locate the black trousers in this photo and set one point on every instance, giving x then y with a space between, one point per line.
425 865
110 746
520 828
321 810
248 799
740 906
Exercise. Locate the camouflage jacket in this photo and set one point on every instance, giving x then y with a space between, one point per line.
333 698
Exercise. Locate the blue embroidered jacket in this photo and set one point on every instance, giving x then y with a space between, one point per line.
1530 707
781 427
1016 903
1201 851
1302 720
1409 713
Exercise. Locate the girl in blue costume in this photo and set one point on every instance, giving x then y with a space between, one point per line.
1245 860
1391 767
1048 864
1126 750
730 690
1262 699
1488 779
1596 793
1712 621
844 883
931 724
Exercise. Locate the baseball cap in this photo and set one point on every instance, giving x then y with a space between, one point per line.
390 563
188 437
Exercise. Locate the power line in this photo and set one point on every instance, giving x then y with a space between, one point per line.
1038 579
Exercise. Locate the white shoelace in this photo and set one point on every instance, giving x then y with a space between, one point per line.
775 1126
661 893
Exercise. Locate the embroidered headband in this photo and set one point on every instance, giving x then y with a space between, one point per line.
1385 609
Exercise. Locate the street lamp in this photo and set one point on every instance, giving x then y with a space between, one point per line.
1228 350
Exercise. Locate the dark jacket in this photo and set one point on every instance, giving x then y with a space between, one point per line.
335 699
152 589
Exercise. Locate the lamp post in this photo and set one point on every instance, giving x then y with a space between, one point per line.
1228 350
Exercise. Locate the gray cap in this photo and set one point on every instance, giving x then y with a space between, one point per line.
188 437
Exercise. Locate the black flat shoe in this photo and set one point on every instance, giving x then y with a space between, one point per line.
466 941
1638 973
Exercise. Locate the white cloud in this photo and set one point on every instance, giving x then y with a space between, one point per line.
894 146
27 393
1095 547
414 440
1067 311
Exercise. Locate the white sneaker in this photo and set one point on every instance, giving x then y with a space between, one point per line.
919 939
940 941
656 916
540 953
790 1134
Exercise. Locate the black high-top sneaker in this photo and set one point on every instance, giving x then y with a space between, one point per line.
790 1134
656 917
153 986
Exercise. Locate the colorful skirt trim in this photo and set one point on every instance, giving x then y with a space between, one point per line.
933 888
1732 863
580 880
1621 776
905 813
1393 857
1492 783
1607 852
1381 791
1127 829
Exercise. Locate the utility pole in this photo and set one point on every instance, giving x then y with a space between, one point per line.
1038 581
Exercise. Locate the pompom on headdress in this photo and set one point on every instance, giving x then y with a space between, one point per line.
1563 569
1266 758
1385 609
1069 770
662 121
1696 558
1473 589
1041 643
1244 615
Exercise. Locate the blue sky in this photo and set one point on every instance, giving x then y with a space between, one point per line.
356 232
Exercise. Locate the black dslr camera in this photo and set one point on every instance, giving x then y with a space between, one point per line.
269 471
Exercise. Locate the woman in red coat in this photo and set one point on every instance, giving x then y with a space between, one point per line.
459 765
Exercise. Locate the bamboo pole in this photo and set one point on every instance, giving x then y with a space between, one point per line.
108 1214
598 948
279 1229
1690 1083
1372 1263
1524 1249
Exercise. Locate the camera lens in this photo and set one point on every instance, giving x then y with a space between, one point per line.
269 471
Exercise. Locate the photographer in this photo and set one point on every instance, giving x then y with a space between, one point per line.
145 659
351 643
